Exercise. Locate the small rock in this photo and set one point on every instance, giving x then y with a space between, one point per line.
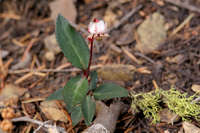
167 116
151 33
196 88
190 128
52 111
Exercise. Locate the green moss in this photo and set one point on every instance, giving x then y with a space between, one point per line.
149 103
181 104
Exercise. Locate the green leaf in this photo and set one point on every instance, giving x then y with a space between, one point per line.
72 43
76 115
57 95
108 91
94 79
75 91
88 109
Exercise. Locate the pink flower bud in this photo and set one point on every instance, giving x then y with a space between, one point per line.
97 30
97 27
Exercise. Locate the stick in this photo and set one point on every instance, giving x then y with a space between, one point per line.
145 57
106 118
40 123
187 20
131 56
184 5
50 70
125 18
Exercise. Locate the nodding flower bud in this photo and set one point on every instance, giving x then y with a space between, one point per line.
97 29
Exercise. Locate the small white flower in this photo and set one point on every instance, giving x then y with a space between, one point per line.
97 29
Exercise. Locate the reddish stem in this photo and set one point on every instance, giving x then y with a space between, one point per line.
87 72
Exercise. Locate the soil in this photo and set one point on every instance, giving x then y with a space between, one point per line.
34 23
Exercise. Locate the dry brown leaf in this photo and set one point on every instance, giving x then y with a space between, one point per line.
64 7
177 59
151 33
52 111
52 47
10 91
167 116
116 72
190 128
196 88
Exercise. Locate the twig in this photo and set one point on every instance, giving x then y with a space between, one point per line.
187 20
145 57
125 18
184 5
50 70
106 118
131 56
10 16
40 123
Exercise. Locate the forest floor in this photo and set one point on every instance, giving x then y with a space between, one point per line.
26 25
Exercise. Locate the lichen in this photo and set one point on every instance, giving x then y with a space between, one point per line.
182 104
149 103
179 103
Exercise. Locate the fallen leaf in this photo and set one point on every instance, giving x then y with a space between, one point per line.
196 88
167 116
190 128
178 59
64 7
10 91
51 44
52 47
52 111
151 33
116 72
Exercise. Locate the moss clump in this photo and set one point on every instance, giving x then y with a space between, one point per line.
149 103
181 104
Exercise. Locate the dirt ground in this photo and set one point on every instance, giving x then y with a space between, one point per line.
24 25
